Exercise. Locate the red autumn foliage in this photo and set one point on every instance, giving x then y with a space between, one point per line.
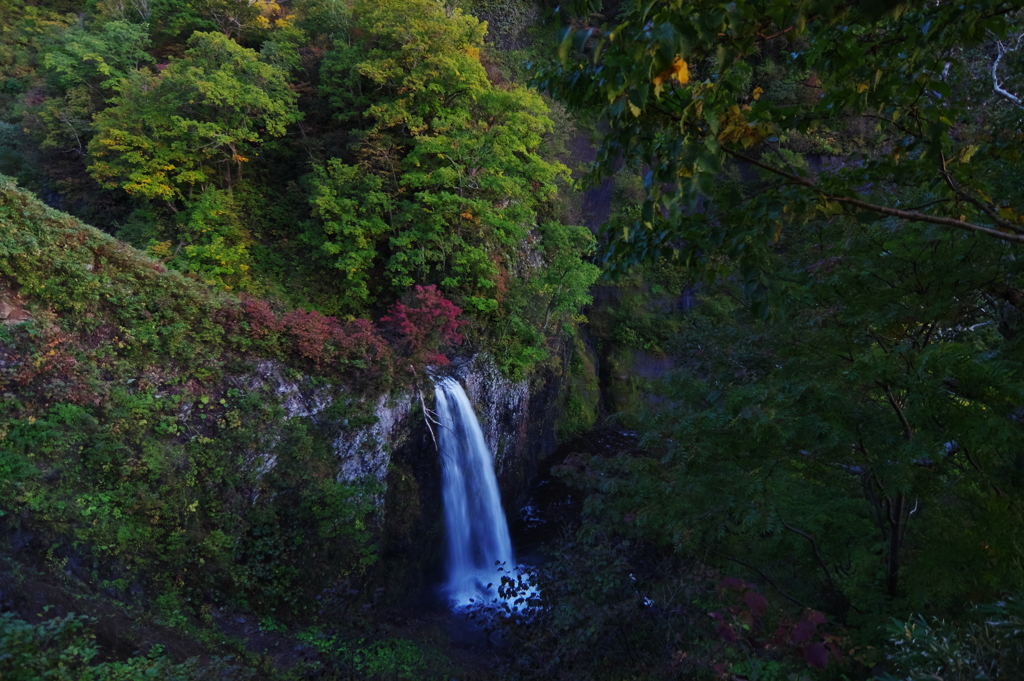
742 624
262 320
355 347
361 342
423 327
325 341
310 332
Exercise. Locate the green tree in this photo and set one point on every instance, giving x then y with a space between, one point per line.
27 31
86 68
861 456
565 280
192 125
683 89
351 211
100 60
449 163
213 241
177 19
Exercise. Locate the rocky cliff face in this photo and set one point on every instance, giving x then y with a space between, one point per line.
517 423
386 439
367 451
395 448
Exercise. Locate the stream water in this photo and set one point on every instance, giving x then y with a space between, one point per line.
479 545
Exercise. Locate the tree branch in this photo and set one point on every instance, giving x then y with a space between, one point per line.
821 561
428 420
987 210
913 216
996 85
764 576
908 432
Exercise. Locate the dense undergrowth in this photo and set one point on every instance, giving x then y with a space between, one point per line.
145 455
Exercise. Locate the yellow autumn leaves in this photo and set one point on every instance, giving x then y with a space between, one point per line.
733 123
734 127
678 70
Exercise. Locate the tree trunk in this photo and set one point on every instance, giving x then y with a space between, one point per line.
896 532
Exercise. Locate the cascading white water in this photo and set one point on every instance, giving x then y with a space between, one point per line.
478 538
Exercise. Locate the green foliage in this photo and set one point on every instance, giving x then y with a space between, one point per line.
86 68
189 516
986 645
144 445
551 299
79 270
217 244
64 649
436 176
97 60
508 21
676 88
194 124
859 441
580 394
416 64
309 532
393 658
351 208
609 608
446 180
390 658
26 29
565 281
179 19
171 479
332 18
858 453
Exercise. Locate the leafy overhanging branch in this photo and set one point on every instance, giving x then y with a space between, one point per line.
909 215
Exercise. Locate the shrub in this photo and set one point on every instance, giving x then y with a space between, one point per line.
987 646
355 350
64 649
742 626
310 332
424 326
262 320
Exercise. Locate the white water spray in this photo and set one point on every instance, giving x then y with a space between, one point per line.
478 538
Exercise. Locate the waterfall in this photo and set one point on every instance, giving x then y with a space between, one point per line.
478 538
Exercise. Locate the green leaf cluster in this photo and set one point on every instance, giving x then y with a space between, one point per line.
861 452
192 125
64 649
985 645
450 177
689 90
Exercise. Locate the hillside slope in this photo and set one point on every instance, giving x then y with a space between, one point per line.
170 450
